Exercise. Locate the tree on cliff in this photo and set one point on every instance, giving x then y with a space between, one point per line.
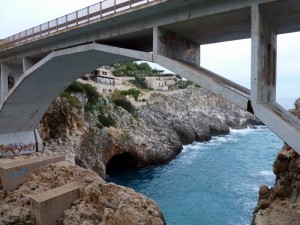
133 69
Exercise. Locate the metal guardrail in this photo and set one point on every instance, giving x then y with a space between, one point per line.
94 12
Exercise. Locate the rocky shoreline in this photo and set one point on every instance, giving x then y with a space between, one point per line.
154 135
280 205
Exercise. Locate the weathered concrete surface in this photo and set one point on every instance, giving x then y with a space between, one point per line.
263 76
280 204
207 79
175 46
20 143
198 20
17 143
48 206
42 83
100 202
13 174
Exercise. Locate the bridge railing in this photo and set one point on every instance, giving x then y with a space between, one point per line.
97 11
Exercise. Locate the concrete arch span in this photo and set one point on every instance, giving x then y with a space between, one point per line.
25 104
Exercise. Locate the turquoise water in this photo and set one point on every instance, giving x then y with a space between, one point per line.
210 183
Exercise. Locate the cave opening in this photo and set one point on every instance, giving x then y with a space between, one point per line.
118 162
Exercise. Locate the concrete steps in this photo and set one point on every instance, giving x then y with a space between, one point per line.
15 173
48 207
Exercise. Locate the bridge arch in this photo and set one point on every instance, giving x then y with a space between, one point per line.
43 82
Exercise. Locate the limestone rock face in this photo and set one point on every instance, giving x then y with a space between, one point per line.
280 205
100 202
154 135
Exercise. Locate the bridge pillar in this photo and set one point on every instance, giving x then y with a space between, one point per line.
264 52
10 73
29 62
3 81
175 46
263 81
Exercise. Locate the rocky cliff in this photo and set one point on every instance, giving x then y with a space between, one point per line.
280 205
152 134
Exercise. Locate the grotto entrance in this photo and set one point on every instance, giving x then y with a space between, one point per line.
119 162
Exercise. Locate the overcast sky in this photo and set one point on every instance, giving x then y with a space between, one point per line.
231 59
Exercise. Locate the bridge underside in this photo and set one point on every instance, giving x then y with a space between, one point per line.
42 83
41 75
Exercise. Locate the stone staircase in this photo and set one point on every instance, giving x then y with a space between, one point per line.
47 207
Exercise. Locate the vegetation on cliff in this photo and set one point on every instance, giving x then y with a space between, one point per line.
133 69
149 134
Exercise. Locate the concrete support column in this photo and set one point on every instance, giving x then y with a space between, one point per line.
29 62
263 64
4 80
175 46
10 73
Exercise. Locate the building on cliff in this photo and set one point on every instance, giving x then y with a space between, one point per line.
161 83
105 80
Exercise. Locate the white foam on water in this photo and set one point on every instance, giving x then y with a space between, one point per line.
247 130
267 174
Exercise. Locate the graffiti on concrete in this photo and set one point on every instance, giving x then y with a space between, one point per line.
18 172
177 47
16 149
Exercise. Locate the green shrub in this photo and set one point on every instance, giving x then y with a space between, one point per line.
133 92
182 84
76 87
95 101
140 82
133 69
73 101
106 121
91 93
125 104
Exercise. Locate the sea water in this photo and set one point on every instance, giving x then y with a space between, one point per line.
210 183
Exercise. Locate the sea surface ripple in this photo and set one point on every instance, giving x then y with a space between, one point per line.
210 183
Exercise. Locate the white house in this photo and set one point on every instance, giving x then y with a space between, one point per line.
161 83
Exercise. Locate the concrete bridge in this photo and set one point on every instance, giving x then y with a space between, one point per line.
39 63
